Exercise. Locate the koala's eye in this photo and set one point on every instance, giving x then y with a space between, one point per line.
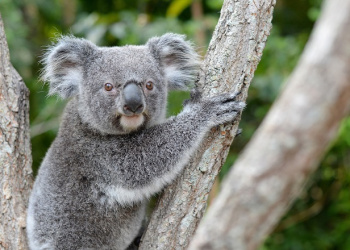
108 86
149 85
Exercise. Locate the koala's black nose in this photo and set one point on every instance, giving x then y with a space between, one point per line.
133 99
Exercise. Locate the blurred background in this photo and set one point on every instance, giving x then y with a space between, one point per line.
320 218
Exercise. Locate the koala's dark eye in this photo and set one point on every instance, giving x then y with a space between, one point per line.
149 85
108 86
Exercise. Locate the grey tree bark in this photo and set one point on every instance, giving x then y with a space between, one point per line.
232 57
288 146
15 154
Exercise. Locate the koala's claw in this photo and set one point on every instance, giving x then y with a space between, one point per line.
224 108
233 111
231 97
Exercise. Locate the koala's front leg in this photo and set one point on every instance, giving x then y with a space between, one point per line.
159 153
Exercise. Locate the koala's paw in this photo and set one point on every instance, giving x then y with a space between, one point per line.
223 108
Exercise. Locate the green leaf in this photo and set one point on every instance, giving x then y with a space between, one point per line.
214 4
176 7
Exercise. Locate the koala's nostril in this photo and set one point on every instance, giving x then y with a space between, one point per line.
126 108
139 109
136 109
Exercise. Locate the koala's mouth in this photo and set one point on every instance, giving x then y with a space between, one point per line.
131 123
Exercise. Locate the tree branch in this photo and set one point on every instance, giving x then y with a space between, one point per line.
232 57
15 155
288 146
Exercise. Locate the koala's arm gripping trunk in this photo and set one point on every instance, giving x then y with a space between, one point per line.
156 156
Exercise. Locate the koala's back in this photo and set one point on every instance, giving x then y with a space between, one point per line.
67 210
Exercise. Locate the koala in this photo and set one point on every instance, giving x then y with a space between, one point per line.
115 148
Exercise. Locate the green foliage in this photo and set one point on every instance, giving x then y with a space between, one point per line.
177 6
175 99
319 219
214 4
16 32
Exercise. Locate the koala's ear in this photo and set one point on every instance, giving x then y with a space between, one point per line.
63 65
177 58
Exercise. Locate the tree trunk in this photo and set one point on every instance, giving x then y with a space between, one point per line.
15 155
288 146
232 57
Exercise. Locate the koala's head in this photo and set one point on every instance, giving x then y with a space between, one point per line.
120 89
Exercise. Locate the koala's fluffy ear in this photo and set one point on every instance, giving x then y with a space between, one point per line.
63 65
177 58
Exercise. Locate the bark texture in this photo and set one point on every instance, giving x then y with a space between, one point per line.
290 143
232 57
15 155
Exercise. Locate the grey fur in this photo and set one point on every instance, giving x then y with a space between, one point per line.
95 179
